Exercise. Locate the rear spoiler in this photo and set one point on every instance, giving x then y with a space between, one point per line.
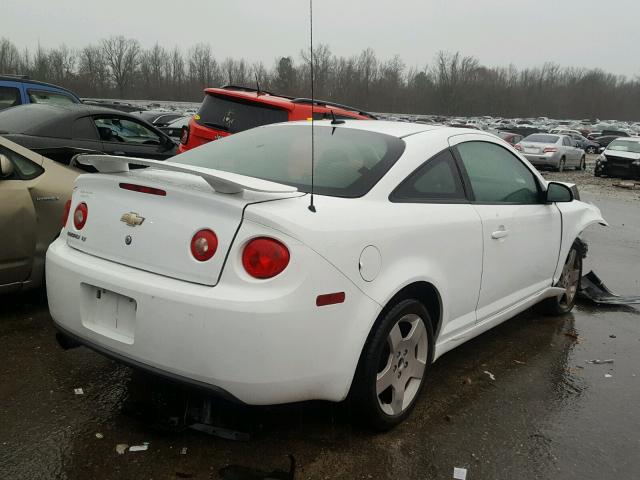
222 182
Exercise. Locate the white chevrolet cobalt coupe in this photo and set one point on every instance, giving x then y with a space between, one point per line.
212 269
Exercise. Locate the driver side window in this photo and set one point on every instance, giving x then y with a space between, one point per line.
496 175
122 130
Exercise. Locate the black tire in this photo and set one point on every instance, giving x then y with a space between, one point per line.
591 150
565 303
376 357
583 164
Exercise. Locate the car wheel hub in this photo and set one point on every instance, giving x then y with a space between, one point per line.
403 364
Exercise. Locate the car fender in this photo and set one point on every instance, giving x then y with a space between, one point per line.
577 216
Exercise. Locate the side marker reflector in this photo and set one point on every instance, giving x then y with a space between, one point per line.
329 299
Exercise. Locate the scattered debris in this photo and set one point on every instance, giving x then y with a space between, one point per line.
466 381
447 418
491 375
573 334
121 448
183 451
592 288
599 362
99 435
519 362
139 448
78 391
459 473
607 375
612 336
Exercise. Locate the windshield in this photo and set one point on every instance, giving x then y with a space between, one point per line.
624 146
348 162
235 115
541 138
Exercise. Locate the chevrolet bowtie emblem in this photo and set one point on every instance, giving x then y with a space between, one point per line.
132 219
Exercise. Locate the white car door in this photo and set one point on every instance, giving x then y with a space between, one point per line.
521 234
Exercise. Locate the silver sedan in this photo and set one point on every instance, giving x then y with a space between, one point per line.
554 151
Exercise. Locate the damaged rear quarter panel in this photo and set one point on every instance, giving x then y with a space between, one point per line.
576 217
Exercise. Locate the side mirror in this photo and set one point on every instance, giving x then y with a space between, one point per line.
6 167
558 192
601 149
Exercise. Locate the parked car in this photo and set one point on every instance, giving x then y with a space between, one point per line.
620 159
114 104
213 269
175 128
554 151
158 118
33 193
231 109
589 146
605 140
60 132
20 90
510 137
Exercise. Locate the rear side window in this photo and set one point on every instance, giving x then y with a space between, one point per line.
348 162
84 129
25 169
235 115
51 98
496 175
9 97
438 180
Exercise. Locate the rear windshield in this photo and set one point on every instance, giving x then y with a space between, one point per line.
348 162
233 115
540 138
624 146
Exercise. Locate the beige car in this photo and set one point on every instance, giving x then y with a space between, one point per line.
33 193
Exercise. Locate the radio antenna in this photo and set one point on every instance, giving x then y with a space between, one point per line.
312 207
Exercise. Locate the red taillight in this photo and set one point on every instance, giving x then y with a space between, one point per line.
184 135
518 147
550 150
80 215
65 214
204 245
143 189
265 257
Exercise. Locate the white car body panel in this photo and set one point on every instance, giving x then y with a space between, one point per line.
266 341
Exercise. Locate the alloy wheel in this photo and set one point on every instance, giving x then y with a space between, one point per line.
570 278
402 364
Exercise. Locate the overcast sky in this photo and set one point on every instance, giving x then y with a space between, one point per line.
586 33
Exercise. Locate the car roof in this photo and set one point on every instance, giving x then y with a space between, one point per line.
25 79
282 101
49 120
631 139
395 129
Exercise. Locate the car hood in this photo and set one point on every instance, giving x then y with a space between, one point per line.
622 154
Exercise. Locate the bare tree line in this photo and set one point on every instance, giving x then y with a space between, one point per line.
451 84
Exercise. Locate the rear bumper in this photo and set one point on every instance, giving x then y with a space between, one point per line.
256 344
543 160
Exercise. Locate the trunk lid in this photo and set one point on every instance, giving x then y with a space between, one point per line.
153 232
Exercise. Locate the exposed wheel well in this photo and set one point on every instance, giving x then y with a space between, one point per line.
426 294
